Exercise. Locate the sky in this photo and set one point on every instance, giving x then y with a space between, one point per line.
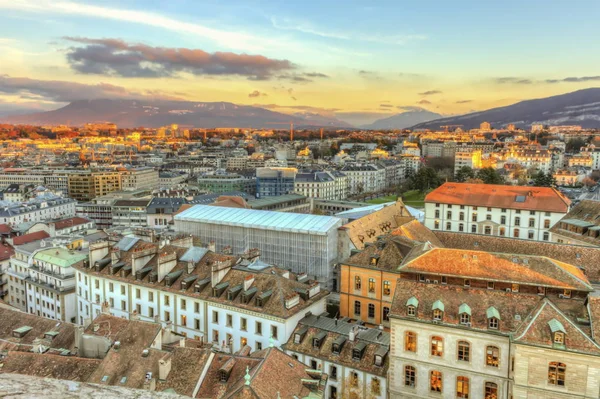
355 60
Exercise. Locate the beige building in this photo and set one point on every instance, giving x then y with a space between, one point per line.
88 185
139 178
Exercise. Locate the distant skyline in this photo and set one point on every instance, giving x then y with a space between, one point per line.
356 61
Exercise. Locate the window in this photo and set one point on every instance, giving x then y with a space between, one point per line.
436 224
464 351
435 381
151 296
530 234
196 307
514 287
437 346
461 227
375 386
314 365
410 341
547 223
566 294
372 285
516 233
559 338
437 205
531 222
474 217
502 232
491 390
258 328
546 236
371 314
357 308
215 336
462 387
518 211
333 372
556 373
274 332
167 300
386 288
386 313
97 284
353 379
183 304
487 230
490 285
215 317
448 226
122 290
437 213
410 376
110 287
465 319
461 216
229 319
438 315
488 217
493 323
243 324
449 215
473 228
357 283
184 320
517 221
167 316
467 282
502 219
492 356
444 280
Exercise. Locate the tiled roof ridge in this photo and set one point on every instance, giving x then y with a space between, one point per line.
558 266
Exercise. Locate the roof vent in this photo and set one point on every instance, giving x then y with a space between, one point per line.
145 353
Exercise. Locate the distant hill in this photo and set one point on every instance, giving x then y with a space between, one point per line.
577 108
131 113
403 120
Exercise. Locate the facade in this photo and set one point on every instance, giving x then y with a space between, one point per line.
271 182
223 183
581 226
86 186
321 185
139 178
99 212
461 328
471 159
304 243
505 211
354 357
160 211
364 178
130 213
37 209
200 294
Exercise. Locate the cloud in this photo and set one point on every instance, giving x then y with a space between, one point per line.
64 91
407 108
294 98
386 106
364 72
316 75
257 93
424 102
114 57
430 93
573 79
513 80
463 101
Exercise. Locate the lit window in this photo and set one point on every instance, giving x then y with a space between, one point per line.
462 387
438 314
386 288
559 338
492 356
566 294
491 390
410 376
410 341
437 346
357 283
435 381
372 285
556 373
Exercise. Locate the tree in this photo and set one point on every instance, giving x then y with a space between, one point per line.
575 144
544 180
425 179
464 173
490 176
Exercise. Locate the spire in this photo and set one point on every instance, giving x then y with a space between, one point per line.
247 376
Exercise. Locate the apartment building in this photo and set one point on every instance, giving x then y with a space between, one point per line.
322 185
505 211
160 211
523 328
37 209
86 186
471 159
354 357
130 213
219 183
581 226
364 178
138 178
271 182
199 293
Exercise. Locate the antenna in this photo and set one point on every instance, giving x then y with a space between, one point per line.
291 131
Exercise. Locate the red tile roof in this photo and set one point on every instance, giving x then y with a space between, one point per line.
31 237
6 251
498 196
5 229
70 222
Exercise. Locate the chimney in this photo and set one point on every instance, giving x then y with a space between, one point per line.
164 367
218 271
141 256
166 263
351 335
98 251
212 247
115 256
248 281
190 267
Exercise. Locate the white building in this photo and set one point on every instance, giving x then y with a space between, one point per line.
505 211
364 178
322 185
37 209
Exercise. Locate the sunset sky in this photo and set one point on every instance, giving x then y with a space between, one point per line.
360 60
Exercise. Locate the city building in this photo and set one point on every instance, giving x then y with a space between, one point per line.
303 243
37 209
130 213
471 159
138 178
364 178
87 185
322 185
219 183
271 182
485 127
581 226
160 211
505 211
354 357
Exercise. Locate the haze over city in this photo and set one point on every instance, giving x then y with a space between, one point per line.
355 60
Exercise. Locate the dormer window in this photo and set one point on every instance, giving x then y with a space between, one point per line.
493 317
464 314
558 332
467 282
378 361
438 310
559 338
566 294
490 285
515 287
493 323
374 260
541 290
411 306
318 339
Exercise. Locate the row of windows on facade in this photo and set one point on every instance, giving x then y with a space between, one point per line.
371 311
489 209
492 353
556 377
491 285
387 290
488 230
461 217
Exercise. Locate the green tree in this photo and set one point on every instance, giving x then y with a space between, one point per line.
465 173
575 144
425 179
543 180
490 176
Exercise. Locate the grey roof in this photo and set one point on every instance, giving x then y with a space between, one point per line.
126 243
194 254
266 220
371 335
168 204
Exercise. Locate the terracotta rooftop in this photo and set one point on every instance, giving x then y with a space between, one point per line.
231 201
70 222
5 229
525 269
31 237
582 223
187 365
6 251
587 258
49 365
416 231
498 196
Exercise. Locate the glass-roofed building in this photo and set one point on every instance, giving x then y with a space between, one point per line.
303 243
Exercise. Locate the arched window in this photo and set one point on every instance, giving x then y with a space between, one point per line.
435 381
464 351
410 341
462 387
357 283
491 390
410 376
492 356
437 346
556 373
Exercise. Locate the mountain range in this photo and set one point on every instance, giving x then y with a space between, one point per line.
411 117
132 113
580 107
